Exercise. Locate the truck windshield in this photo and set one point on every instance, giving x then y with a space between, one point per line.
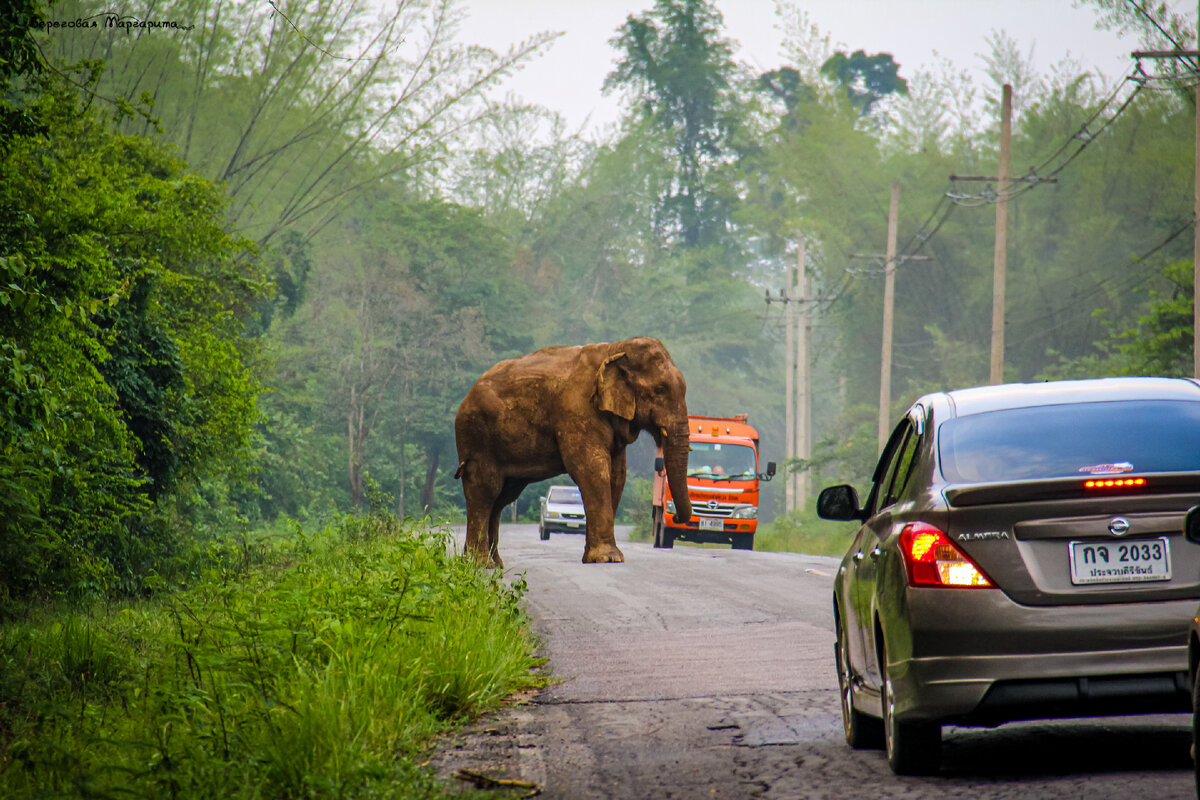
719 461
565 494
1079 439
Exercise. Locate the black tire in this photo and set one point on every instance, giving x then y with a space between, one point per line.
742 541
1196 729
658 529
543 534
863 732
913 748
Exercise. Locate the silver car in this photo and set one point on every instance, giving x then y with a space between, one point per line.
1021 556
562 512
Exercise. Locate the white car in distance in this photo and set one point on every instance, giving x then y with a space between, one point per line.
562 512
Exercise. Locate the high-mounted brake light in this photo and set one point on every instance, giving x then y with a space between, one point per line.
1113 483
933 560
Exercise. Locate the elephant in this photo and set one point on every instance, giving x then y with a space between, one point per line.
571 409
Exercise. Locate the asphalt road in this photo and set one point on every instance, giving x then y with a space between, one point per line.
702 673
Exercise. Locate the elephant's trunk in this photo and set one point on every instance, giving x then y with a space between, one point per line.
675 457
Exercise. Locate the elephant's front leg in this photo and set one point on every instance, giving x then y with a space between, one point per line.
594 477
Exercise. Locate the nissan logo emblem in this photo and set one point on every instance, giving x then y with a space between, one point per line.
1119 526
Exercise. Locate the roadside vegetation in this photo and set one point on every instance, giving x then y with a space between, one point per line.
295 664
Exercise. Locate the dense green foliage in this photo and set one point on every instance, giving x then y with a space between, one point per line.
297 665
125 372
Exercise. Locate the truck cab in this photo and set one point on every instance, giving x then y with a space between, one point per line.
723 485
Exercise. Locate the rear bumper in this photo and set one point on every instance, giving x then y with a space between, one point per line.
989 691
559 526
987 660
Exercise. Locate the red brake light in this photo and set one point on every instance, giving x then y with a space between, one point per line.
1113 483
933 560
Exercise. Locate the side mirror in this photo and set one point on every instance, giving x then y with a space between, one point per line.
770 473
839 502
659 464
1191 525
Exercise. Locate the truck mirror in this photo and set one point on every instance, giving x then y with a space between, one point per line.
659 464
771 468
1191 525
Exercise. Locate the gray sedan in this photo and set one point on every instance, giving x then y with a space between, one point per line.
1020 556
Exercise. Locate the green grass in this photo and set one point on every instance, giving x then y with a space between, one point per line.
296 666
805 532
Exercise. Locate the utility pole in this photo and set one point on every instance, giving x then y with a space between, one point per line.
803 422
797 402
789 403
1000 258
889 301
1159 54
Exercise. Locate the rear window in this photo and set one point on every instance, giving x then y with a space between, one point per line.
1073 440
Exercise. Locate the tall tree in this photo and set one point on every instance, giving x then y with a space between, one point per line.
865 79
677 71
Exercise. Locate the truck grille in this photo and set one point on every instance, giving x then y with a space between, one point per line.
712 508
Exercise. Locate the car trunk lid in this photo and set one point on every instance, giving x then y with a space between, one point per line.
1057 542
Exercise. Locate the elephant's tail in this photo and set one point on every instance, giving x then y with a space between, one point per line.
462 465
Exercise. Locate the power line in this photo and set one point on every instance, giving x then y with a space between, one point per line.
1118 282
1161 29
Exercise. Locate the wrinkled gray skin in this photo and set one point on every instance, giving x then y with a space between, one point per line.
572 410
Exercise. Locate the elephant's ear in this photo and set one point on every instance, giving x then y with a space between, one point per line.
613 392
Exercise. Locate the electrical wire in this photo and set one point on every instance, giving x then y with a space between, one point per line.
1161 30
1115 282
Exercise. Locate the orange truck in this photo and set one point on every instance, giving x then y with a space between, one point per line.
722 483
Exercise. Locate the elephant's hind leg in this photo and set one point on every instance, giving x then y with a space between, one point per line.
508 494
481 487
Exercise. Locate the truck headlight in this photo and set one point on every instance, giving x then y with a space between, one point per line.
671 507
745 512
553 515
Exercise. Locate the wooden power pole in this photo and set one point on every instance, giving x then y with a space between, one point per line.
803 421
889 302
1000 258
789 412
797 404
1160 54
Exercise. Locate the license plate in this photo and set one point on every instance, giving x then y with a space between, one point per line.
574 524
712 524
1120 562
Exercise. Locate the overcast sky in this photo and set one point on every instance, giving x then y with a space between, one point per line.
918 33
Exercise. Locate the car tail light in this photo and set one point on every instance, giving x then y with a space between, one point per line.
933 560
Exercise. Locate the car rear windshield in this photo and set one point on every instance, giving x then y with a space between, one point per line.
1071 440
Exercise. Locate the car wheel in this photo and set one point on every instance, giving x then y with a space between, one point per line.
743 541
1196 728
543 534
863 732
913 748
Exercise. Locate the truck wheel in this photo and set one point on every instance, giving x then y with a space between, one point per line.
658 529
743 541
543 534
